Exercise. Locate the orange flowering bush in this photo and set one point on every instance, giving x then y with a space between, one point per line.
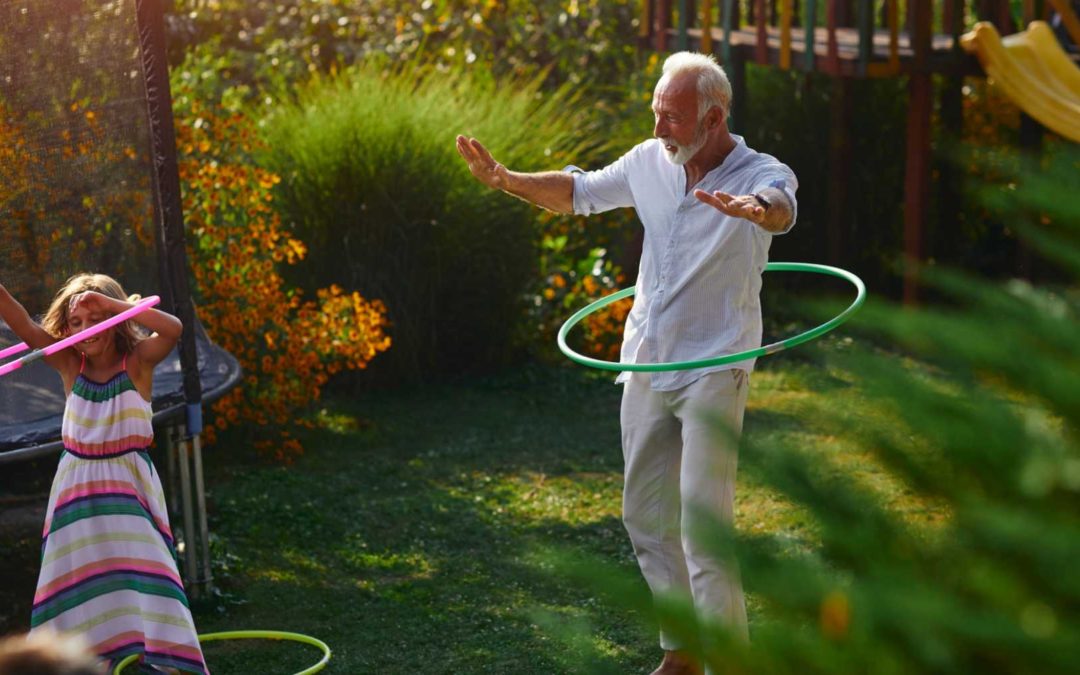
288 346
603 329
579 263
600 333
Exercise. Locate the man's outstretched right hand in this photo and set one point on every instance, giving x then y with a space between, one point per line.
481 163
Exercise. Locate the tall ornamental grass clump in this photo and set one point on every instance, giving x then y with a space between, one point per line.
373 183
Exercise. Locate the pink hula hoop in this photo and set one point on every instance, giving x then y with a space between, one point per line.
141 306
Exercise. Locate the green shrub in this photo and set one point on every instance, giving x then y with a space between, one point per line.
373 183
577 41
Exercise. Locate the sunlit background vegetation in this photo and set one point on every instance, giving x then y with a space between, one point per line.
411 472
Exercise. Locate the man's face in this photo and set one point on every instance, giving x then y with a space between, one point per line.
675 110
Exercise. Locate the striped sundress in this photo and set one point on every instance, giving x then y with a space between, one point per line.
108 567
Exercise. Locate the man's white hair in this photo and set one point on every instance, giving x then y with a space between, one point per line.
712 83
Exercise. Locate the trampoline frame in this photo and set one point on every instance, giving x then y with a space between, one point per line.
161 418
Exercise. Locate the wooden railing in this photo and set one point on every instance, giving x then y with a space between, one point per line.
856 38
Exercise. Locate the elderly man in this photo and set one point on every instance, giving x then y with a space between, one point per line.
709 206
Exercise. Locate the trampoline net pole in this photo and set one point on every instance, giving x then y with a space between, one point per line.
205 576
188 516
172 464
172 256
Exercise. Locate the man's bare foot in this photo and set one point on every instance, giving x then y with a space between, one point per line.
678 663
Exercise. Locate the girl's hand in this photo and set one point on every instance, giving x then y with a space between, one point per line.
93 302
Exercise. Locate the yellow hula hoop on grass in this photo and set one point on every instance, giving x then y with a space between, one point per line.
253 635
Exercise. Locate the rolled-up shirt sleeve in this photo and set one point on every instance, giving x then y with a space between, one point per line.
784 180
603 190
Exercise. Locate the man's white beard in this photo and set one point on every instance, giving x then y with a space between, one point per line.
683 153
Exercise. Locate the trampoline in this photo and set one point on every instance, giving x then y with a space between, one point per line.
89 183
32 398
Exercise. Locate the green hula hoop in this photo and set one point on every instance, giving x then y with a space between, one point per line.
253 635
818 331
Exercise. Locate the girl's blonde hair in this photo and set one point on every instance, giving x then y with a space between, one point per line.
56 319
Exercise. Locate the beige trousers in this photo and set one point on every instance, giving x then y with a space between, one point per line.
675 459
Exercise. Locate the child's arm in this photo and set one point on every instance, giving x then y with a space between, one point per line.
166 332
18 319
165 328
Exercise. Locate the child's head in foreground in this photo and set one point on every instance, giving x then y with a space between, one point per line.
45 653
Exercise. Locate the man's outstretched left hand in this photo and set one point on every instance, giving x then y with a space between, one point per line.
776 218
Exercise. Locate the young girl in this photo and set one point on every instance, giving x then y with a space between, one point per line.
108 567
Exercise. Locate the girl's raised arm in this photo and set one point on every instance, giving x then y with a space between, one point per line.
18 319
166 332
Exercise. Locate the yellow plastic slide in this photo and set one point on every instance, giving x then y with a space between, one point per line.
1034 71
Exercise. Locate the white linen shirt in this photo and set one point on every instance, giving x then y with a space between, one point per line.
699 282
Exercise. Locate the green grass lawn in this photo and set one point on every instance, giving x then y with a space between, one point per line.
411 537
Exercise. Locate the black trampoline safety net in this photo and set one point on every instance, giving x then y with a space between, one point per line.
77 185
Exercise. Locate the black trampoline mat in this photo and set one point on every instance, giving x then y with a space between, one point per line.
32 397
